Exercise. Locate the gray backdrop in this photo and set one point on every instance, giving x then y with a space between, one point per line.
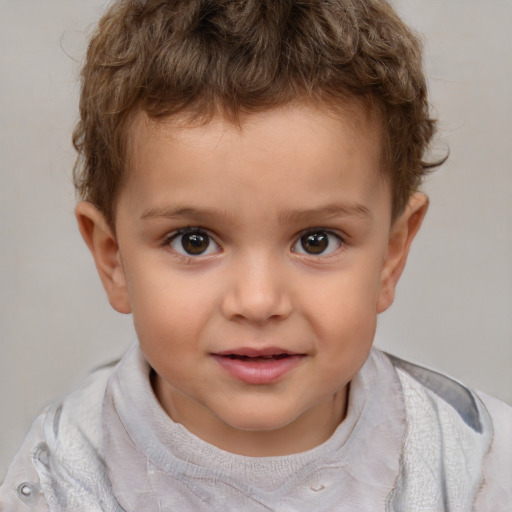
453 308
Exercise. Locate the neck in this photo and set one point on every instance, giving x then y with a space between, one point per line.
312 428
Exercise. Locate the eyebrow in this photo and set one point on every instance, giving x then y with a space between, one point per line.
327 211
176 212
286 216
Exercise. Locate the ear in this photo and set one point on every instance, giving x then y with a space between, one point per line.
103 246
402 234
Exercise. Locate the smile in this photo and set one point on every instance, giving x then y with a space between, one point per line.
258 367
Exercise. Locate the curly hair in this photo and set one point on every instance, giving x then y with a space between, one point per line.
237 57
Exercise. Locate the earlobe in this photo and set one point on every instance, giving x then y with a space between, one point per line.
402 234
102 243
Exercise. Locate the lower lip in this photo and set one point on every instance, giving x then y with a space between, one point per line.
258 372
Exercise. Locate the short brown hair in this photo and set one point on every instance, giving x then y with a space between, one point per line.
233 57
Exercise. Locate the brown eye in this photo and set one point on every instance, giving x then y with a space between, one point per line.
317 243
193 243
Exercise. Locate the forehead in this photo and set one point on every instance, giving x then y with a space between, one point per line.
350 118
299 145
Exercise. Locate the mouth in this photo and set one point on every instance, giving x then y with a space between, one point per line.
258 366
255 355
257 358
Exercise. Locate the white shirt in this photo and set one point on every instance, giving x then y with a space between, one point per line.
412 440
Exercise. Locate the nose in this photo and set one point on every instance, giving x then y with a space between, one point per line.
257 291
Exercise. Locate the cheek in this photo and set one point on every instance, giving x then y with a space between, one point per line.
348 333
348 297
343 313
346 346
170 308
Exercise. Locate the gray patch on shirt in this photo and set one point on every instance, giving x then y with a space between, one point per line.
56 420
452 392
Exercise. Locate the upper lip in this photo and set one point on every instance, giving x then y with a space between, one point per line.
256 352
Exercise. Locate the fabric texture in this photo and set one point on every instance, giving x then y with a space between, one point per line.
413 440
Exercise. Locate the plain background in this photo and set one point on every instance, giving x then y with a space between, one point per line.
453 308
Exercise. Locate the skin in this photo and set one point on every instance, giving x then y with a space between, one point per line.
254 191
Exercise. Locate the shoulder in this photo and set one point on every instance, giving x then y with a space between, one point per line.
496 493
21 489
66 436
475 409
440 387
457 436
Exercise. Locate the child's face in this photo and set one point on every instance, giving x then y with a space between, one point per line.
255 262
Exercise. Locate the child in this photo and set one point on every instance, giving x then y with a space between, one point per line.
249 176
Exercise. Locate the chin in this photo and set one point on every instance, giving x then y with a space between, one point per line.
259 422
